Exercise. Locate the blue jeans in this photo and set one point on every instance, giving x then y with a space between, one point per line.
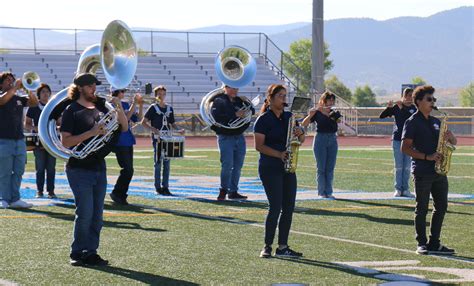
232 149
325 152
44 162
402 167
12 167
166 170
88 187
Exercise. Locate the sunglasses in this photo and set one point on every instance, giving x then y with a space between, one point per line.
431 99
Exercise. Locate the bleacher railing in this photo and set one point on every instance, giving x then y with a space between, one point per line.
150 42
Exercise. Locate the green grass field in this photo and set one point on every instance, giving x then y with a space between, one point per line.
187 242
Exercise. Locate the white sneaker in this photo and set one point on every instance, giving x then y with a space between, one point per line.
397 194
407 194
20 205
3 204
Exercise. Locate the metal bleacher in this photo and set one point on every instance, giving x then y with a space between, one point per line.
187 78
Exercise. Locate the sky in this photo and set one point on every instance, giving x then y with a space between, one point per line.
182 15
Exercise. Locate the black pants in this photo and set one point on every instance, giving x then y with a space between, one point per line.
44 162
280 188
437 186
125 160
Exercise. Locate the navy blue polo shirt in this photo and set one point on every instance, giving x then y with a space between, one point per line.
156 118
275 130
223 110
126 138
401 115
324 124
424 133
11 118
34 113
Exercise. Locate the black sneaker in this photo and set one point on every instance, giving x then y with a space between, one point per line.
441 250
166 192
222 194
422 249
236 196
118 200
39 195
52 196
95 260
159 191
287 252
76 260
266 252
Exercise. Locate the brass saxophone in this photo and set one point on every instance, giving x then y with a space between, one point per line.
444 148
292 147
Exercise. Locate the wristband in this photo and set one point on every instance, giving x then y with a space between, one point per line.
425 157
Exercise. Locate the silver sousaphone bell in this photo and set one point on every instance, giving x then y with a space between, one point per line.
236 68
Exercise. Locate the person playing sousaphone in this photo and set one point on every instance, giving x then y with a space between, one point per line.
159 118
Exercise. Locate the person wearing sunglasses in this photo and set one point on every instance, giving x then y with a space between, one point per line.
401 111
419 141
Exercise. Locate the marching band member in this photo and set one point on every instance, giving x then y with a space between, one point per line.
12 142
160 117
280 187
87 177
43 160
419 141
124 148
231 142
325 142
402 110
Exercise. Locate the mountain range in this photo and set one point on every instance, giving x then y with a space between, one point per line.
382 54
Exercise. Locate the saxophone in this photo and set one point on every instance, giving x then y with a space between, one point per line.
292 147
444 148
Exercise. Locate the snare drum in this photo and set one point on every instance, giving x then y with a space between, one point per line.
170 147
32 141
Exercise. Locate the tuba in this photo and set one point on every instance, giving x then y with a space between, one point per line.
117 56
235 67
444 148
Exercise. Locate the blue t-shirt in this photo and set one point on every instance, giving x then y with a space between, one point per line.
11 118
401 115
275 130
424 133
324 123
126 138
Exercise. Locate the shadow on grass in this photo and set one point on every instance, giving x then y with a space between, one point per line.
310 211
147 278
70 217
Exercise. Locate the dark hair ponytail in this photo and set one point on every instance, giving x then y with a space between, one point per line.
272 90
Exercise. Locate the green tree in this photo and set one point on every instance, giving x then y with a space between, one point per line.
336 86
364 96
142 53
418 80
300 54
466 96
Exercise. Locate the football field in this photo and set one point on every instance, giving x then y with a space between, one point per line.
363 237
